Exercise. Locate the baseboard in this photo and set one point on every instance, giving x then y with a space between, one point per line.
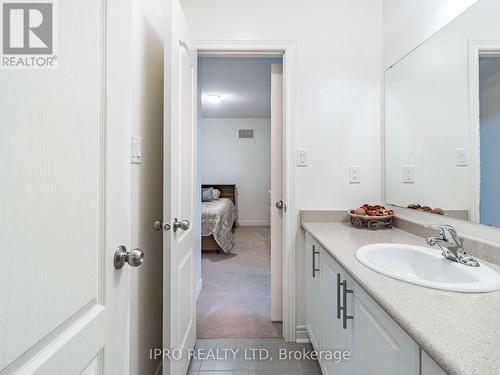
159 369
301 334
254 223
199 287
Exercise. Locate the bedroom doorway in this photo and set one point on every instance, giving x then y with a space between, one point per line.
240 177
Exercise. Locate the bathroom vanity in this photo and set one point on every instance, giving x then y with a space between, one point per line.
391 326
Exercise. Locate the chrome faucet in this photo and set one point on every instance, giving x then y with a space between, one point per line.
451 245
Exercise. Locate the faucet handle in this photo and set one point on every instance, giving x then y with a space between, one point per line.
443 229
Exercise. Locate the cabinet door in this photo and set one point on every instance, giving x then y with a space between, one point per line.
313 291
380 346
429 367
308 281
334 337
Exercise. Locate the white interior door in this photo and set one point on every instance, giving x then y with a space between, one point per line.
64 198
277 205
179 304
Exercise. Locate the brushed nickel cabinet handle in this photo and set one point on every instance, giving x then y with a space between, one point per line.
339 308
314 253
345 316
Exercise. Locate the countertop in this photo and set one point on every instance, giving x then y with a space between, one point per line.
460 331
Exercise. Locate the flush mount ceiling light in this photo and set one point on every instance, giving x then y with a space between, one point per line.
213 98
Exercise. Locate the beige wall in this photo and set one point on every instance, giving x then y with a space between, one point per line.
147 184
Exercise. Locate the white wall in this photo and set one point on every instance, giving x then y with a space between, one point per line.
244 162
337 89
408 23
147 184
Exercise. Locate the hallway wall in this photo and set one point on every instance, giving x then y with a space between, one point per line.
147 184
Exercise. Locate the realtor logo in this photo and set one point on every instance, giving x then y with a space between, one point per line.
28 34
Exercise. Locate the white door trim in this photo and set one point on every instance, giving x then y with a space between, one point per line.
287 50
476 49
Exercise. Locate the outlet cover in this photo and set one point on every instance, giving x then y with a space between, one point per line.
135 150
461 156
301 157
408 174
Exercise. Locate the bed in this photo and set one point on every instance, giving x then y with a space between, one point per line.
218 219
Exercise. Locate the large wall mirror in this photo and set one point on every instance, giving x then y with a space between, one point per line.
442 126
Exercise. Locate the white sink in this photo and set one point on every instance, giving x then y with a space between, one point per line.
427 267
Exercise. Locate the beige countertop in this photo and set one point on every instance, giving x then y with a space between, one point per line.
460 331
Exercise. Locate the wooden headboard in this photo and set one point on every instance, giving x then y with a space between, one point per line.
226 191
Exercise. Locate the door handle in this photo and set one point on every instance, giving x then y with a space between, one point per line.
158 225
183 224
134 258
314 253
280 205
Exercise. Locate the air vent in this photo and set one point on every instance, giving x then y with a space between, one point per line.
245 133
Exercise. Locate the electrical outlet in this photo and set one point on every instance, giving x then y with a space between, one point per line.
354 174
408 174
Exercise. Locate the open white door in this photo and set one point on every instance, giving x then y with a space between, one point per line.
179 304
64 198
277 196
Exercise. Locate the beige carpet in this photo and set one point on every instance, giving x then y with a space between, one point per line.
236 298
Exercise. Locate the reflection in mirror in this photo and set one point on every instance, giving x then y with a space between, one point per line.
489 130
442 126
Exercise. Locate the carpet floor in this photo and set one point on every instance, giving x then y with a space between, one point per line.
235 301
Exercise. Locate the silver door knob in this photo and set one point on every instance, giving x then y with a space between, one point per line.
183 224
158 225
134 258
280 205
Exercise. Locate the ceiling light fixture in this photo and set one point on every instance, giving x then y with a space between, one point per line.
213 98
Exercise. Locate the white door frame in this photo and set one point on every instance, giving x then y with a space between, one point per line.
476 49
287 49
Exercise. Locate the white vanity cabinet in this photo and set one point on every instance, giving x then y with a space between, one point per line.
378 346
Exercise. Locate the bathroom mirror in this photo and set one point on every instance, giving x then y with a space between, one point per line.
442 120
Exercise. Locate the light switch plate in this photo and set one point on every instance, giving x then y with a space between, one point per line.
301 157
461 156
354 174
408 174
135 150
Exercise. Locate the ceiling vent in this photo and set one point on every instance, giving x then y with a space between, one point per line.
246 133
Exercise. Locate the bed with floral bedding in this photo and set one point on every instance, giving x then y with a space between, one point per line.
218 217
